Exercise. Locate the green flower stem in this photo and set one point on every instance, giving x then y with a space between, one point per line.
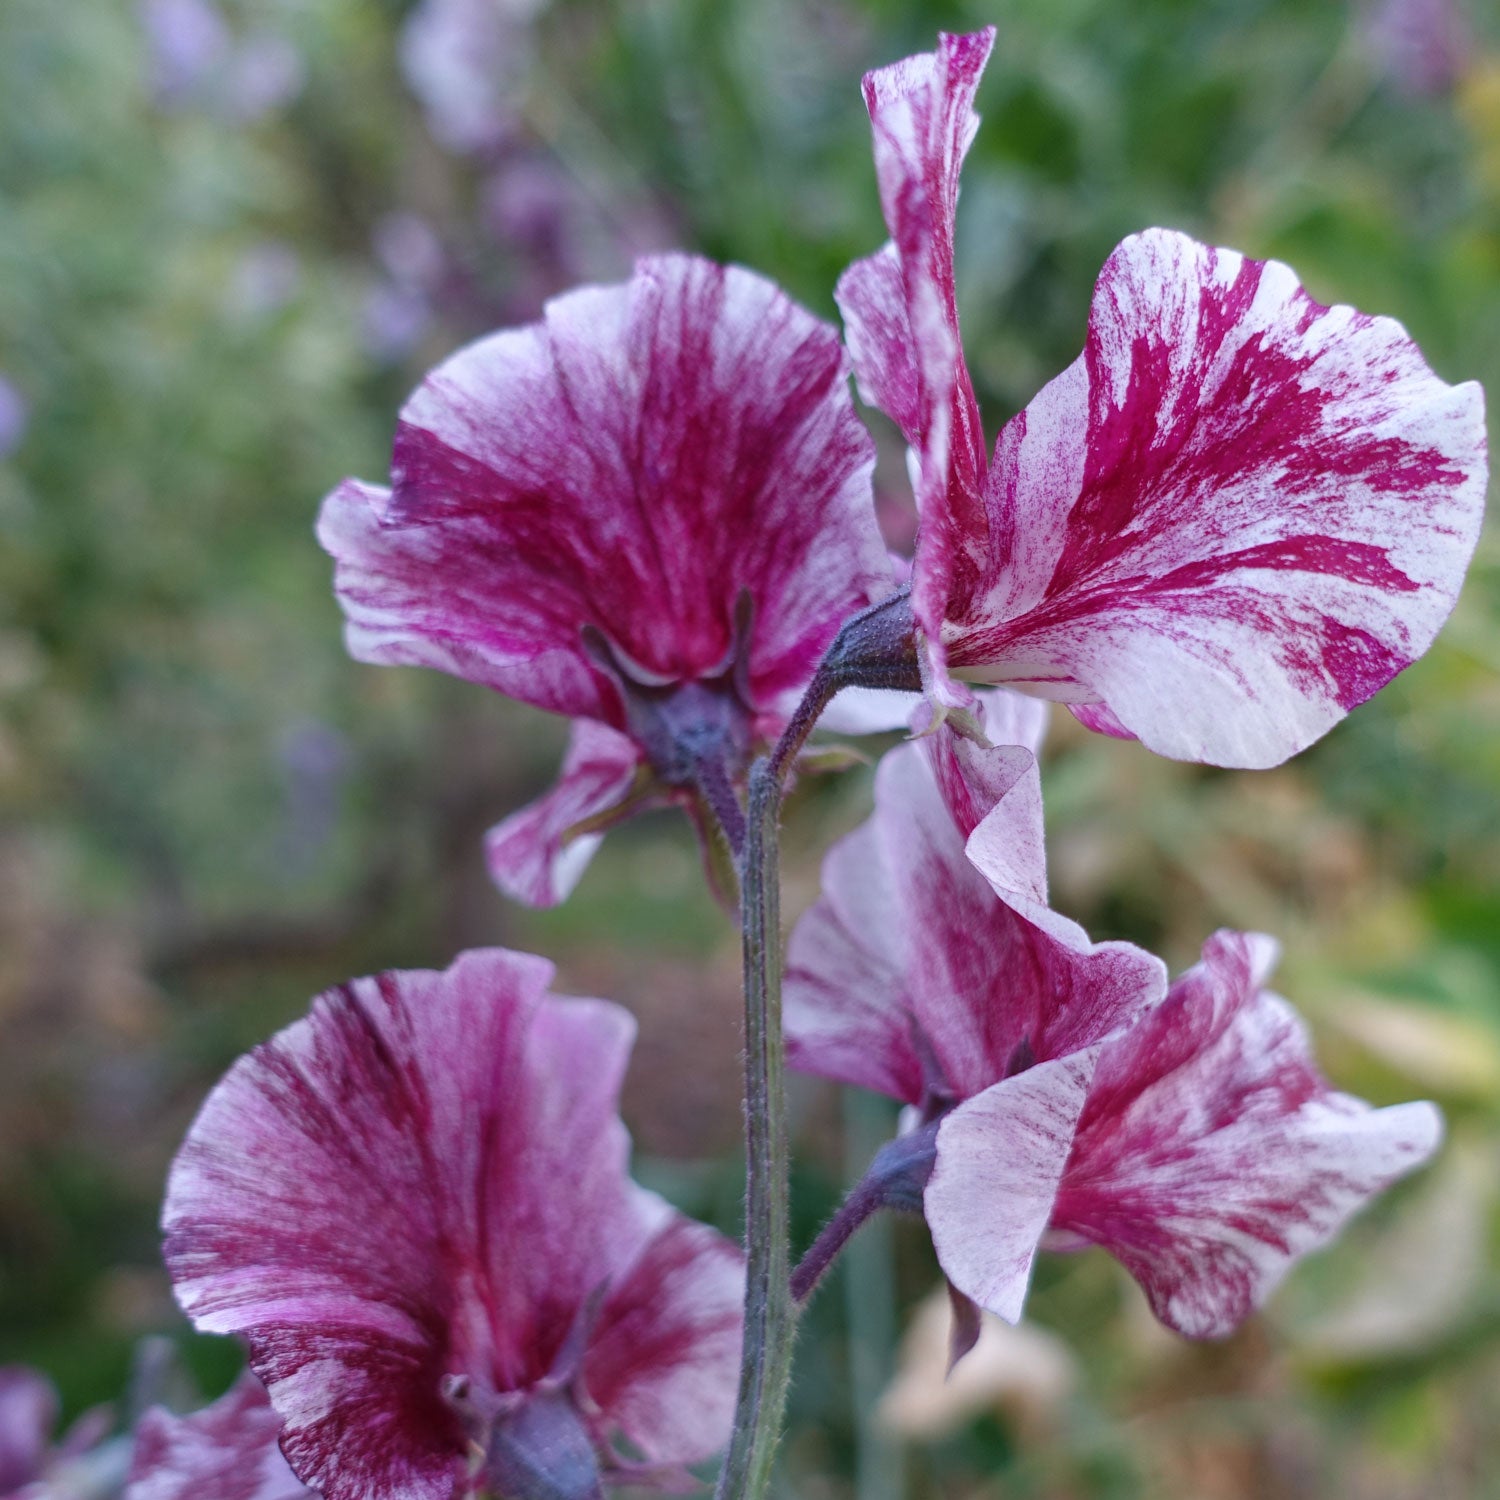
874 648
770 1317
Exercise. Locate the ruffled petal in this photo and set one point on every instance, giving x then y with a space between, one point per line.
996 980
535 856
663 1361
227 1451
901 314
1000 1157
635 463
914 976
1234 518
423 1178
1212 1153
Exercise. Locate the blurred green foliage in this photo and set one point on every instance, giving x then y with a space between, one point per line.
209 812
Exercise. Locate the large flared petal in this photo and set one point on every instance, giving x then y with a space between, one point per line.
1234 518
636 463
537 854
1211 1153
227 1451
425 1178
900 311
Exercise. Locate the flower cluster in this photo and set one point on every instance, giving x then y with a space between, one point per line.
1237 515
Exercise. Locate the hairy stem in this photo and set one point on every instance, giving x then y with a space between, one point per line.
770 1318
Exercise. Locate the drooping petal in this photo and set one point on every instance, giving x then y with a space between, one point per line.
535 855
974 781
901 314
227 1451
1000 1157
995 979
1211 1153
1234 518
912 975
635 463
424 1178
664 1356
28 1415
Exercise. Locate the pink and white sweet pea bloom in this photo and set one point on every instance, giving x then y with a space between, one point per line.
1234 517
1209 1156
227 1451
912 975
1059 1100
414 1207
649 512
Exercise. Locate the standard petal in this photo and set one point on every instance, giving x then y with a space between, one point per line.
636 463
902 314
1234 518
1212 1153
227 1451
1000 1157
535 855
425 1177
663 1361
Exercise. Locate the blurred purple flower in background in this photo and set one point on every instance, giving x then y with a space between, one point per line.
197 62
32 1466
463 60
1423 46
314 761
399 308
15 416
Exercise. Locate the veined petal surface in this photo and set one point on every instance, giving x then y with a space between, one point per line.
424 1179
635 463
1235 517
1212 1153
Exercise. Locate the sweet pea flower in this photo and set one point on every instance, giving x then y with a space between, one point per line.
227 1451
1059 1101
1233 518
649 512
413 1205
912 976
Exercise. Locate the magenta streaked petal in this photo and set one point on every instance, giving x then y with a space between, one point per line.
913 976
423 1179
903 316
1212 1153
975 779
227 1451
28 1415
1000 1157
847 1005
636 463
1234 518
534 856
443 596
663 1356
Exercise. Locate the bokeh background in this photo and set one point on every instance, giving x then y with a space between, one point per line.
232 236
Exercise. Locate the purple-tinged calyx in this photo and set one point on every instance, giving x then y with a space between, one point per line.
650 512
414 1207
1235 517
